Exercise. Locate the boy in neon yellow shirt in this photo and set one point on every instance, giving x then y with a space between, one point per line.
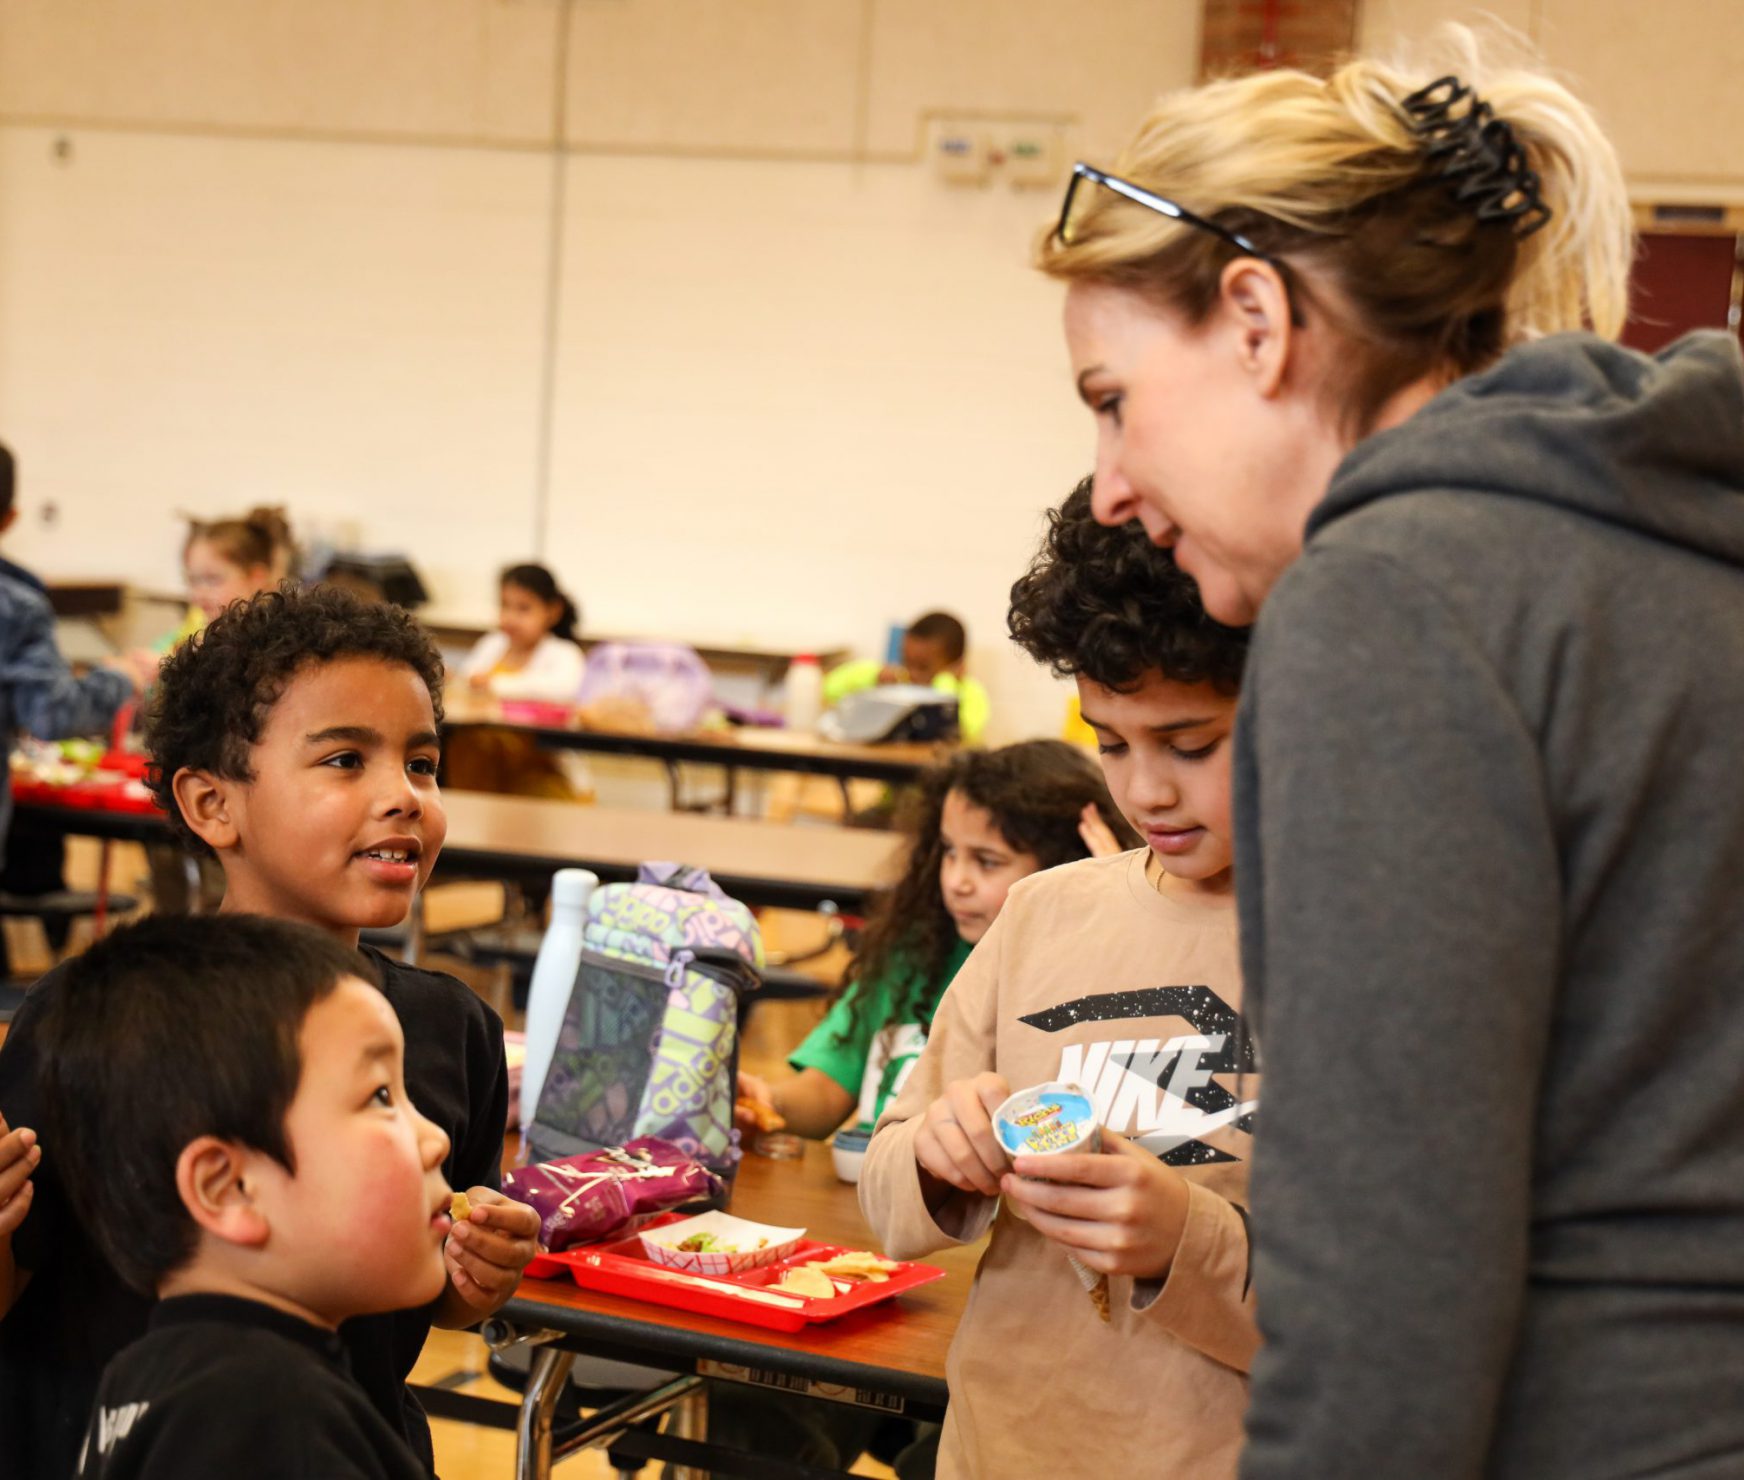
933 651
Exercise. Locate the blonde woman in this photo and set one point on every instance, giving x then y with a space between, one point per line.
1490 811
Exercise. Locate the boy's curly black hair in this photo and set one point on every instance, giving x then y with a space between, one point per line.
1105 602
214 693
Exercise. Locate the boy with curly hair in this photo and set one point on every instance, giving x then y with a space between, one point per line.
296 739
1116 1282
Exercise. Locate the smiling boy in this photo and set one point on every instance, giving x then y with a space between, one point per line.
1118 974
252 1159
295 738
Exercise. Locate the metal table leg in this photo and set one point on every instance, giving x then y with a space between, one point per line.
545 1380
414 947
690 1421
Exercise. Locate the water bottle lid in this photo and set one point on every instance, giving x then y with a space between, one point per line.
570 888
806 658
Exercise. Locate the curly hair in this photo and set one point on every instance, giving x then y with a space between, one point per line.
1035 793
214 693
1105 602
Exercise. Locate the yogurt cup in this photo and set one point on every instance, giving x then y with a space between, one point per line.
1052 1120
1047 1120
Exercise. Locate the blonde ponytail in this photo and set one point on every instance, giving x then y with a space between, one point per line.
1327 175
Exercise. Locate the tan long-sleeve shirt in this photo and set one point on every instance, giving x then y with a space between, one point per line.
1094 974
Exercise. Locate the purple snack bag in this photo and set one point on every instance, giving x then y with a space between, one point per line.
580 1199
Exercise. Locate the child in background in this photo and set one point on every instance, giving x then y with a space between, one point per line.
223 562
978 824
230 560
39 694
1120 975
296 738
934 649
253 1160
533 655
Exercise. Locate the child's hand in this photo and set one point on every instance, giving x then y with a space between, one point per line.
486 1253
478 682
956 1143
1098 836
1119 1210
19 1155
752 1091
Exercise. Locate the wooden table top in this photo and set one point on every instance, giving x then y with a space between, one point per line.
761 862
749 747
898 1346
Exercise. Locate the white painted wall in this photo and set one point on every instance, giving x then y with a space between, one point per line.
298 253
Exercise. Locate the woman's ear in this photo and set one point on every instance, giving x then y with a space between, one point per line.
207 802
212 1180
1257 305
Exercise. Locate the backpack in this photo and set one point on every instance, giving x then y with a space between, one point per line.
667 681
650 1039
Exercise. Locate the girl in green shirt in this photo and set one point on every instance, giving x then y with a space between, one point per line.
979 823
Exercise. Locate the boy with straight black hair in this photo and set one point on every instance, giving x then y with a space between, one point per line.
251 1158
295 738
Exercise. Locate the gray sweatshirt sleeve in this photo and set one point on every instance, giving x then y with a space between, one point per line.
1400 904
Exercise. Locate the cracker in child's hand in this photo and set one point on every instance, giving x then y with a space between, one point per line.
760 1112
460 1207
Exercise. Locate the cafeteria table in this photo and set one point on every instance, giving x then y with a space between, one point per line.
747 748
890 1356
527 838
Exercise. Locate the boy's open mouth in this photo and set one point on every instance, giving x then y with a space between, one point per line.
391 861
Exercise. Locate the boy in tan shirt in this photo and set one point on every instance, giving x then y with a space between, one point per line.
1120 975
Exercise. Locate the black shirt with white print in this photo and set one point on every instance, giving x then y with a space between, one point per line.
224 1386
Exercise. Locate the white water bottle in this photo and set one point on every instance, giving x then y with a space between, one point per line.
553 980
805 692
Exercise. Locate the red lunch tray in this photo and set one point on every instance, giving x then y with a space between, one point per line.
623 1268
100 793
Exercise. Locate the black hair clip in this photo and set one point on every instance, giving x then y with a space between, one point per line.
1477 153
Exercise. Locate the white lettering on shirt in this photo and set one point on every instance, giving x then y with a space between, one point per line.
1140 1087
113 1425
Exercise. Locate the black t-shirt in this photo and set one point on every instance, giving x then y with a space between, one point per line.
222 1386
75 1314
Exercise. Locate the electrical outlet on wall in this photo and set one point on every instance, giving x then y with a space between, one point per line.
1021 152
1034 154
962 152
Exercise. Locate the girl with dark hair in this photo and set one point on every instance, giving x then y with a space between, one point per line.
979 823
531 657
533 653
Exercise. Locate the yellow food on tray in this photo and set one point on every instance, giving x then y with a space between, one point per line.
857 1264
808 1280
460 1207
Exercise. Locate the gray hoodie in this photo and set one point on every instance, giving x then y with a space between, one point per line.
1490 852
